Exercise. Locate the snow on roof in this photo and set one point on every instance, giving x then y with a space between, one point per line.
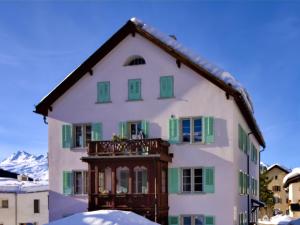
295 172
104 217
15 186
219 73
278 165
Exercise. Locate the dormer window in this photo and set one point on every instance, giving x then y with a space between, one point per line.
135 60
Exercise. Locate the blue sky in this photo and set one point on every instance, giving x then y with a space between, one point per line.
258 42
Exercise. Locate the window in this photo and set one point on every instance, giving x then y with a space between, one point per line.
243 139
36 206
141 185
122 180
135 129
275 177
166 87
134 90
101 181
276 188
105 181
4 204
191 129
192 180
135 60
80 182
194 220
82 135
103 92
277 200
244 183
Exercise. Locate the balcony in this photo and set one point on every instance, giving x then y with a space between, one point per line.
130 148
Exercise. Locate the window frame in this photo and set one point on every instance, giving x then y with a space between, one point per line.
136 170
136 123
119 179
135 60
193 217
192 169
4 206
84 182
192 129
84 135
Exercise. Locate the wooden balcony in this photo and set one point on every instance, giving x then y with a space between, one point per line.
130 148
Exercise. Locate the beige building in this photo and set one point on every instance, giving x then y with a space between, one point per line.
23 202
292 182
276 173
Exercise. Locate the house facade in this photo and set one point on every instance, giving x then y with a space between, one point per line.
276 174
142 126
292 183
23 203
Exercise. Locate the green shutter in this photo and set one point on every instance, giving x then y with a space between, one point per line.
167 87
209 220
241 222
174 180
67 136
209 180
145 128
103 91
67 182
241 182
209 130
134 89
173 220
123 130
173 131
96 131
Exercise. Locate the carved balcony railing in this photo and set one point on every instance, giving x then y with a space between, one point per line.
129 147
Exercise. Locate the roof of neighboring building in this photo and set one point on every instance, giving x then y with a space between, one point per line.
283 168
292 177
214 74
11 185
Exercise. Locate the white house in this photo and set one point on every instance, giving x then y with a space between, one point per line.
23 202
186 149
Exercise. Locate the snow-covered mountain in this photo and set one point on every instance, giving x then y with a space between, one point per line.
31 165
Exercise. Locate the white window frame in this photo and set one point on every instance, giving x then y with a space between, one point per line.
192 130
135 123
192 180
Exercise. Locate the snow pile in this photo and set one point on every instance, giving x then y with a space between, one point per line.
277 220
104 217
31 165
295 172
219 73
13 185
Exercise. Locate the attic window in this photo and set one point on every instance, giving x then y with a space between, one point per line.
135 60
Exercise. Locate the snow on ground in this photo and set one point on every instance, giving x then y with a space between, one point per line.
219 73
31 165
295 222
13 185
277 220
295 172
104 217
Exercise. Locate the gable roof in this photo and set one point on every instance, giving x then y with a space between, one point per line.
284 169
214 74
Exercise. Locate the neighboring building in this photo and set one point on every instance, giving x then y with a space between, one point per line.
23 202
186 132
275 175
292 182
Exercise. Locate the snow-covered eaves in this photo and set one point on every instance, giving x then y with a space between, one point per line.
276 165
211 72
10 185
292 177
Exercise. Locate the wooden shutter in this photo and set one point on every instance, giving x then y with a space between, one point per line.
145 128
208 130
67 182
209 180
174 180
209 220
67 136
103 91
96 131
123 130
166 87
173 220
173 130
134 89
